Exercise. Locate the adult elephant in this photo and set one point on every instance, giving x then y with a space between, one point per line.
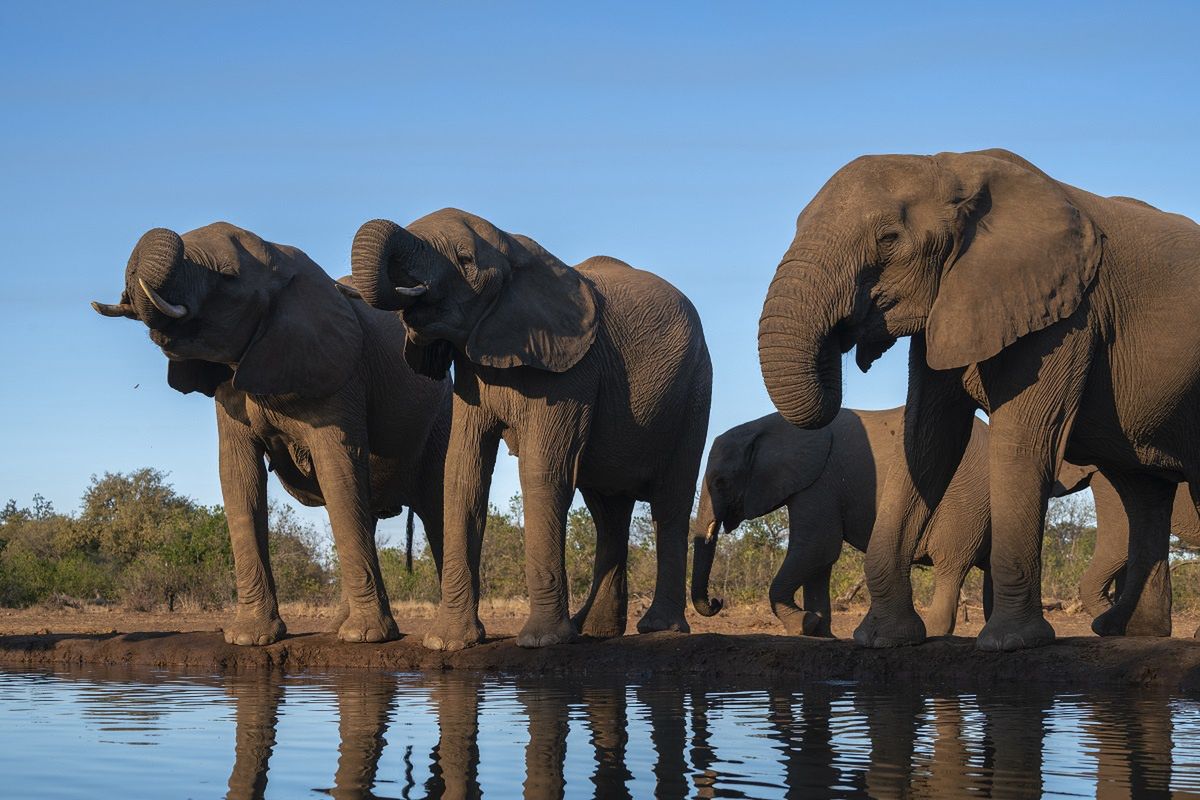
1063 314
308 376
597 377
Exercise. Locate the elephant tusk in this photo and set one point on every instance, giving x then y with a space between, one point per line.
170 309
113 309
412 291
711 533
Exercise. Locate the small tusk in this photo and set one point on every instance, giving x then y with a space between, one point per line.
412 291
114 309
711 534
170 309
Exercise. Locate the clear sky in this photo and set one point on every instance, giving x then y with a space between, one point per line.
681 138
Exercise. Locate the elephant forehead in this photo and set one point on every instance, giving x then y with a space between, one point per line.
224 247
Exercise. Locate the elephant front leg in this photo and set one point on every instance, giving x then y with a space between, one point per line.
672 515
604 613
1143 607
814 544
244 490
341 461
937 426
470 459
547 490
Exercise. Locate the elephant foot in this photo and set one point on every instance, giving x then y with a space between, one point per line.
340 616
1005 634
368 625
249 629
1111 622
543 632
895 629
806 623
451 632
599 623
658 618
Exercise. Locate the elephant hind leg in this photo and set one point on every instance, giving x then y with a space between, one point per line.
672 518
948 577
604 613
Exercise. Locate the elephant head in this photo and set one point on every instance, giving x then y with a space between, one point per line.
461 284
222 303
752 470
973 249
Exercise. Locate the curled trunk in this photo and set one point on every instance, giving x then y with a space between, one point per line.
798 353
705 544
381 250
160 283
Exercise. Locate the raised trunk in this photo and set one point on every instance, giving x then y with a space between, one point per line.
705 543
381 250
801 359
157 264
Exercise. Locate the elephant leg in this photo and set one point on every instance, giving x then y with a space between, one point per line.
987 593
938 419
470 459
672 516
365 705
1143 607
244 490
454 761
343 471
1112 547
818 610
547 469
548 712
256 715
814 543
948 576
603 614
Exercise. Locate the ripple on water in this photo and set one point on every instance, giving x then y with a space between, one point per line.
101 733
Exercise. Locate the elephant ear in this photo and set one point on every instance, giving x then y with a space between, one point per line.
544 315
1026 258
310 341
783 462
1071 478
193 375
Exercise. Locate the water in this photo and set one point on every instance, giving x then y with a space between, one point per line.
93 733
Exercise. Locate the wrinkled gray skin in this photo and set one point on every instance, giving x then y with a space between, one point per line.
309 378
597 378
830 480
1065 315
1153 616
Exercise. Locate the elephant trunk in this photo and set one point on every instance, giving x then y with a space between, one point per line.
705 543
379 246
160 283
798 351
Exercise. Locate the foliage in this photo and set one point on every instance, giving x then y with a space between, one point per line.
137 542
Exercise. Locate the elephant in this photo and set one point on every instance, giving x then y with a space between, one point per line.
309 377
596 377
1062 314
830 480
1112 549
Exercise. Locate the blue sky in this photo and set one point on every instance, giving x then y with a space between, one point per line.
681 138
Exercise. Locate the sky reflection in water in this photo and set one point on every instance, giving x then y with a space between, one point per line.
99 733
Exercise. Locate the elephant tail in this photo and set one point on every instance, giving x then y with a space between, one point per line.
705 545
408 541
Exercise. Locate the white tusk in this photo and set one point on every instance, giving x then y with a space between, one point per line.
170 309
412 291
711 534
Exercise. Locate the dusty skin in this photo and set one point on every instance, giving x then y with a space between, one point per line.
744 641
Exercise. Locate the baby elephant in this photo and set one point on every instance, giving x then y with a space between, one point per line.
308 377
831 479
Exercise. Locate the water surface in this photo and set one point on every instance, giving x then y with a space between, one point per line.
94 733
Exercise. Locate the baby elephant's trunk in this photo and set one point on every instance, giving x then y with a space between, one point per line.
705 551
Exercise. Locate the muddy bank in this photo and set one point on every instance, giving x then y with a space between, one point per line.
1172 664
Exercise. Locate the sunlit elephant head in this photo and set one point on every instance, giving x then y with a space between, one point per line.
222 303
973 249
462 284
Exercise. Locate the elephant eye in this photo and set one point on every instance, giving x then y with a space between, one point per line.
889 238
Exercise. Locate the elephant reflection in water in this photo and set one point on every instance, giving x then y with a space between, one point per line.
364 706
1133 744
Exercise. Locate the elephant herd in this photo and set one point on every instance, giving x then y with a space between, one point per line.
1065 316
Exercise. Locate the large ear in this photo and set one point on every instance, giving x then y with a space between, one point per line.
310 342
544 316
1025 259
193 375
781 465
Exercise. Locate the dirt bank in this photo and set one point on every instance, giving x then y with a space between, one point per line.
1077 661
